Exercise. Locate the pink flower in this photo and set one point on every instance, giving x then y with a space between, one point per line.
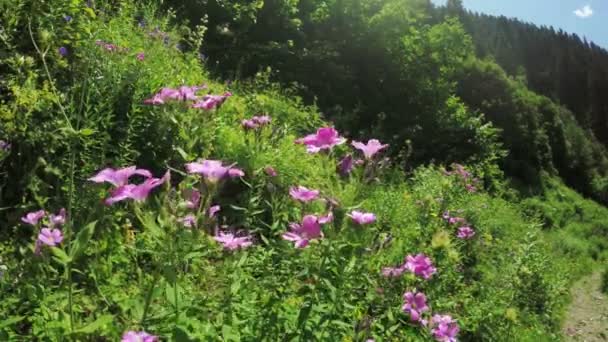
231 242
327 218
415 305
362 218
49 237
188 221
372 147
345 167
262 120
213 210
136 192
141 56
138 336
59 219
270 171
34 217
445 329
420 265
193 198
301 234
183 93
303 194
393 272
256 122
465 233
325 139
249 124
119 177
213 170
234 173
211 101
456 220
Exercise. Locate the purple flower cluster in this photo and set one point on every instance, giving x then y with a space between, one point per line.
444 328
465 176
256 122
183 93
209 102
110 47
465 232
420 265
4 146
50 234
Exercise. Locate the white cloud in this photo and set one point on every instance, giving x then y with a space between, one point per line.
584 12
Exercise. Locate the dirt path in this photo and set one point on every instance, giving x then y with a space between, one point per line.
587 317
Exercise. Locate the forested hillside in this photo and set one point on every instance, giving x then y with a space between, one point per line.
560 65
392 69
313 170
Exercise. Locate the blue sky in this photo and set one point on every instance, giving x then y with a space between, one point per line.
590 19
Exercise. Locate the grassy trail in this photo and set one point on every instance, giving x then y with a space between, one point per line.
587 316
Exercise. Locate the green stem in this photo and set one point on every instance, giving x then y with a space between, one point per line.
70 301
148 299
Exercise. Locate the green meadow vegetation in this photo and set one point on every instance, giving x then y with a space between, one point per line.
283 171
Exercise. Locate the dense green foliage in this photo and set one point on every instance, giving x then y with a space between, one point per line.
389 69
383 70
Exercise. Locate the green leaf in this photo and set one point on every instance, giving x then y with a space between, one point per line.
87 132
82 240
180 334
94 326
60 256
10 321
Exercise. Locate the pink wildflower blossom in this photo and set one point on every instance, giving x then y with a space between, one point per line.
119 177
415 305
50 237
270 171
138 336
231 242
393 272
59 219
213 210
136 192
465 233
325 139
362 218
372 147
445 329
213 170
210 102
34 217
420 265
303 194
301 234
188 221
345 166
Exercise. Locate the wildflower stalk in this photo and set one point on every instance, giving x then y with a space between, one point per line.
148 299
68 226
